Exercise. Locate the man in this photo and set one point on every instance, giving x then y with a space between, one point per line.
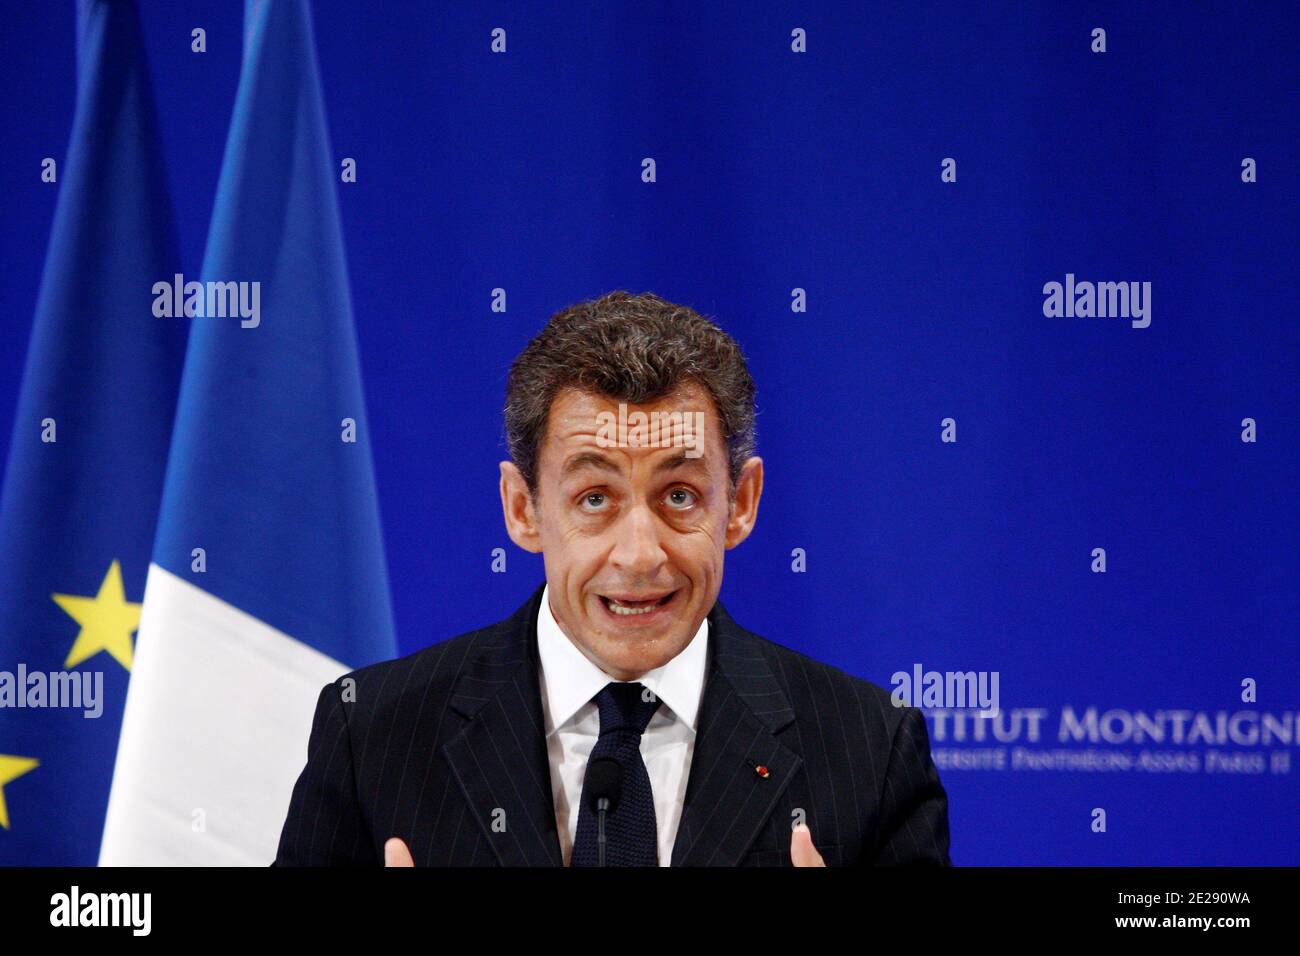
630 424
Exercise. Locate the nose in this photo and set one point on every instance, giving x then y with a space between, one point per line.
637 551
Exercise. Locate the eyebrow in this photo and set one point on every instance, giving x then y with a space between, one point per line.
594 459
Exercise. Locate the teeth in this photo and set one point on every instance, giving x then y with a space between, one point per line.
628 610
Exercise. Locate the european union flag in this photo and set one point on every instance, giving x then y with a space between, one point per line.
269 578
87 458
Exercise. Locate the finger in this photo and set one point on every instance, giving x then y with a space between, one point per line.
802 851
396 853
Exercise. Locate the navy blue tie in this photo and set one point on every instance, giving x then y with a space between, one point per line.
630 835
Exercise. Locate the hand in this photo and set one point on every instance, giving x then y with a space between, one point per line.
802 851
396 853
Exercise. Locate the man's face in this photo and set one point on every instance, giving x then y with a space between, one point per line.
632 529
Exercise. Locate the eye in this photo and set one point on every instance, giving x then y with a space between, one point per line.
598 496
682 506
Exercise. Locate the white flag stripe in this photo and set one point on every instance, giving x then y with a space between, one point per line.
215 729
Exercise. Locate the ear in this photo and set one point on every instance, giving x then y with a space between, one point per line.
517 506
744 506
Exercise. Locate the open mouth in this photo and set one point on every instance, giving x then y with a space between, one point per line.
624 608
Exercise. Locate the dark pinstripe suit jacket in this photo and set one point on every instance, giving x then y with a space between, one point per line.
445 749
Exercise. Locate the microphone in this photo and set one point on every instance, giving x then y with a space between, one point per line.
603 786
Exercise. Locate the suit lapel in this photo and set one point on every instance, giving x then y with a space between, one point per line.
499 758
500 762
727 799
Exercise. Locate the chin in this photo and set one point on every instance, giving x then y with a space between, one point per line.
621 657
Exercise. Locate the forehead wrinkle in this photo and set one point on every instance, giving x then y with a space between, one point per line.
595 459
577 420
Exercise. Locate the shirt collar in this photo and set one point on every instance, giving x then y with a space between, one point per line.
569 679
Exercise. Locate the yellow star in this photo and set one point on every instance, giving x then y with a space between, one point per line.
107 621
11 768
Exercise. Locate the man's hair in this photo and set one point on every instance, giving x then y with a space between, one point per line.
633 349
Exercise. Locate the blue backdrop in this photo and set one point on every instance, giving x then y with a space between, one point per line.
821 171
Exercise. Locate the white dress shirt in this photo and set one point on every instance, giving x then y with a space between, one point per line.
569 682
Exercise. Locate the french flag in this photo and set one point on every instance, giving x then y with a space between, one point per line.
268 577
